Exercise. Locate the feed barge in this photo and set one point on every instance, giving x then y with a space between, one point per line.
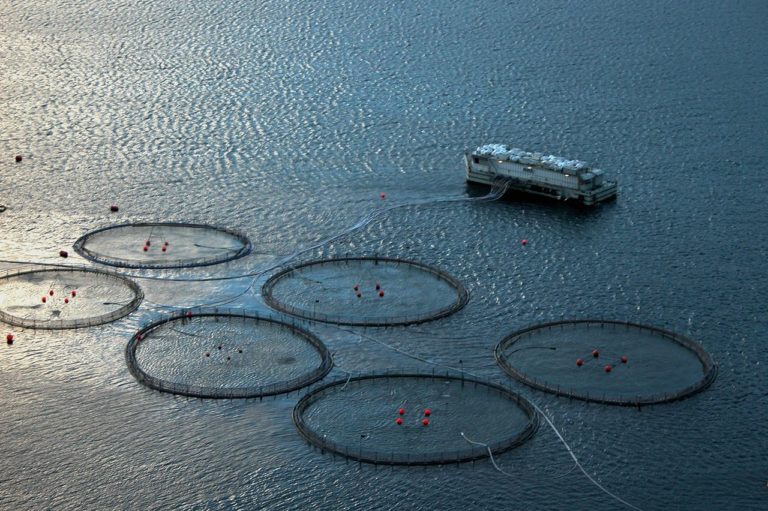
539 174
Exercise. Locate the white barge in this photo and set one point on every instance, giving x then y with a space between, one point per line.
551 176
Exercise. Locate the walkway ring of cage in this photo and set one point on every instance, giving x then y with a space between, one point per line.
469 450
707 365
142 259
89 275
280 387
461 293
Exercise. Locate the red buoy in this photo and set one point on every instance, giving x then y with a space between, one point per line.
164 249
399 421
595 353
427 412
18 158
381 294
63 253
383 195
608 368
524 242
401 411
425 422
189 314
50 292
44 299
114 209
66 300
579 362
74 292
146 248
9 338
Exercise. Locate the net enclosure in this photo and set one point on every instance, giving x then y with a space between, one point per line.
371 291
162 245
226 354
414 419
610 362
61 298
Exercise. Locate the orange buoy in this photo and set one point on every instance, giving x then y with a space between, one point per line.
44 299
63 253
624 359
66 300
425 422
74 292
608 368
114 209
381 294
401 411
427 412
579 362
18 158
595 353
399 421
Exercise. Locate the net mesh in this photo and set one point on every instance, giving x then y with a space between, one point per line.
61 298
365 291
162 245
226 354
360 418
611 362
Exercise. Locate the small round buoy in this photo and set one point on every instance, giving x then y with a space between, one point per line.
44 299
425 422
579 362
356 287
608 368
427 412
50 292
524 242
166 243
74 292
9 338
229 358
66 300
189 314
359 295
383 195
148 243
399 421
219 346
146 248
207 354
63 253
19 158
239 351
164 249
378 286
595 353
114 209
401 411
624 359
381 294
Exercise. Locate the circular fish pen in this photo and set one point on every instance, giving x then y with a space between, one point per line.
226 354
609 362
61 298
365 291
162 245
414 419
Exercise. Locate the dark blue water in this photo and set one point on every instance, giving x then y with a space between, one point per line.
286 121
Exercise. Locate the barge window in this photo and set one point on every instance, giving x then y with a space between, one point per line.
476 159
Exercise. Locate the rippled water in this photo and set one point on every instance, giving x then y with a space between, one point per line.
286 121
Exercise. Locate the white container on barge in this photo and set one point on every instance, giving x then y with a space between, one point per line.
539 174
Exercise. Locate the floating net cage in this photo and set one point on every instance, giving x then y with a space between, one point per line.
414 419
62 298
162 245
610 362
371 291
226 354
